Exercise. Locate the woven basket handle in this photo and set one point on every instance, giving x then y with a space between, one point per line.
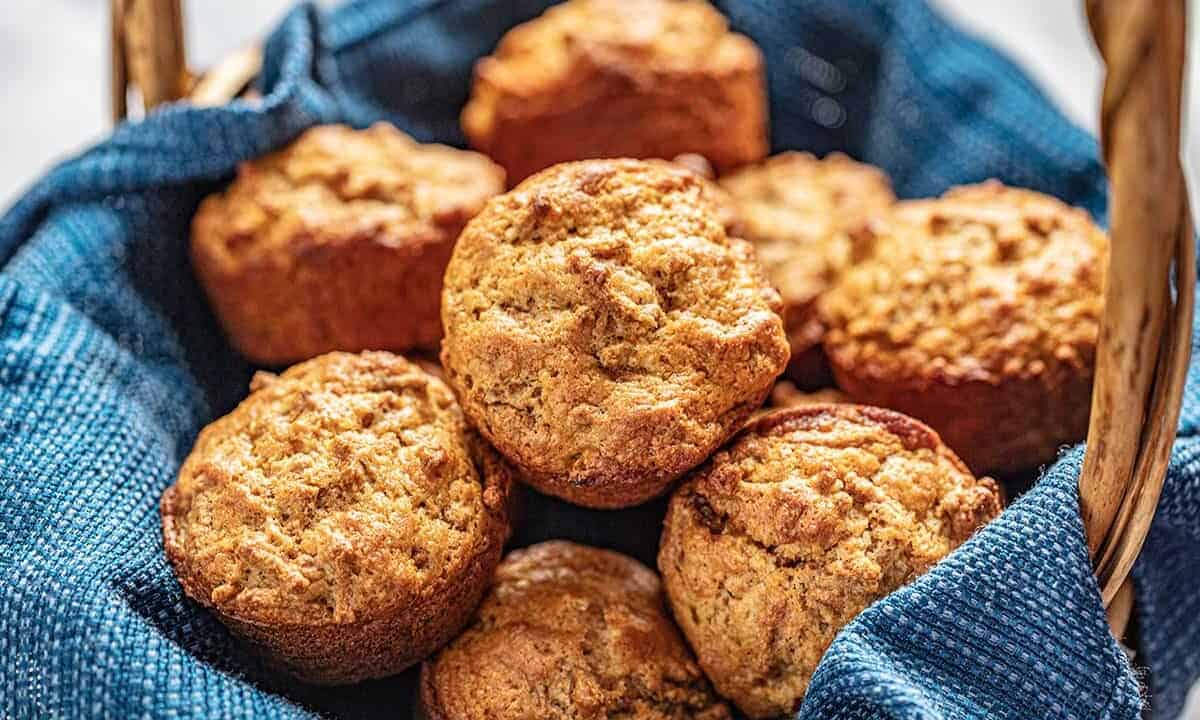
1145 335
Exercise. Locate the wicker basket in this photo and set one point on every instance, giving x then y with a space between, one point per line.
1145 335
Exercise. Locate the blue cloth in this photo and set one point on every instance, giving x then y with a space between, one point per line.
110 363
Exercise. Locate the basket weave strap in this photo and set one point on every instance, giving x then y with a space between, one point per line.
1145 335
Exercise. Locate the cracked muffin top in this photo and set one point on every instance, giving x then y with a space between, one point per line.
604 331
984 284
807 517
573 633
336 492
334 185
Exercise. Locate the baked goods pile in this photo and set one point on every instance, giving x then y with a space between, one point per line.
609 330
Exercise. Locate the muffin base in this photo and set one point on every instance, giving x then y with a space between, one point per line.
363 294
1002 427
593 115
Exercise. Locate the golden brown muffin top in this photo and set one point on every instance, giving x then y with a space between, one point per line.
985 283
727 210
334 492
839 466
335 185
808 516
569 632
800 212
601 324
641 38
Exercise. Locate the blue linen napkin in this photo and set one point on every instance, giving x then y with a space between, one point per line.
110 363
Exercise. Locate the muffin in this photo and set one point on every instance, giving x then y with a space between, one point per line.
805 519
603 330
785 394
801 213
979 314
569 632
638 78
337 242
342 520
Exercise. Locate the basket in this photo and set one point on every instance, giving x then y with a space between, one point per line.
1145 339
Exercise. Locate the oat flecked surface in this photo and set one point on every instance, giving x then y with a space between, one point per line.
639 78
979 313
802 214
808 516
569 632
342 518
603 330
337 242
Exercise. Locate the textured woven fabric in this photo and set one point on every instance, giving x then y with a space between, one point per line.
110 363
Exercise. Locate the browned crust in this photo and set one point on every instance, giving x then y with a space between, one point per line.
297 262
999 427
802 213
430 707
914 434
580 101
358 295
613 487
569 631
668 349
397 638
1006 390
774 545
386 640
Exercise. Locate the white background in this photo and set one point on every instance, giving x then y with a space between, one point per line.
54 71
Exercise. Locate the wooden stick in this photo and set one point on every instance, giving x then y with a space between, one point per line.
1145 334
227 79
119 78
1120 610
149 34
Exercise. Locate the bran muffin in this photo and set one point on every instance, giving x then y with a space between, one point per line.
337 242
801 213
636 78
785 394
807 517
569 632
978 313
341 519
603 330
